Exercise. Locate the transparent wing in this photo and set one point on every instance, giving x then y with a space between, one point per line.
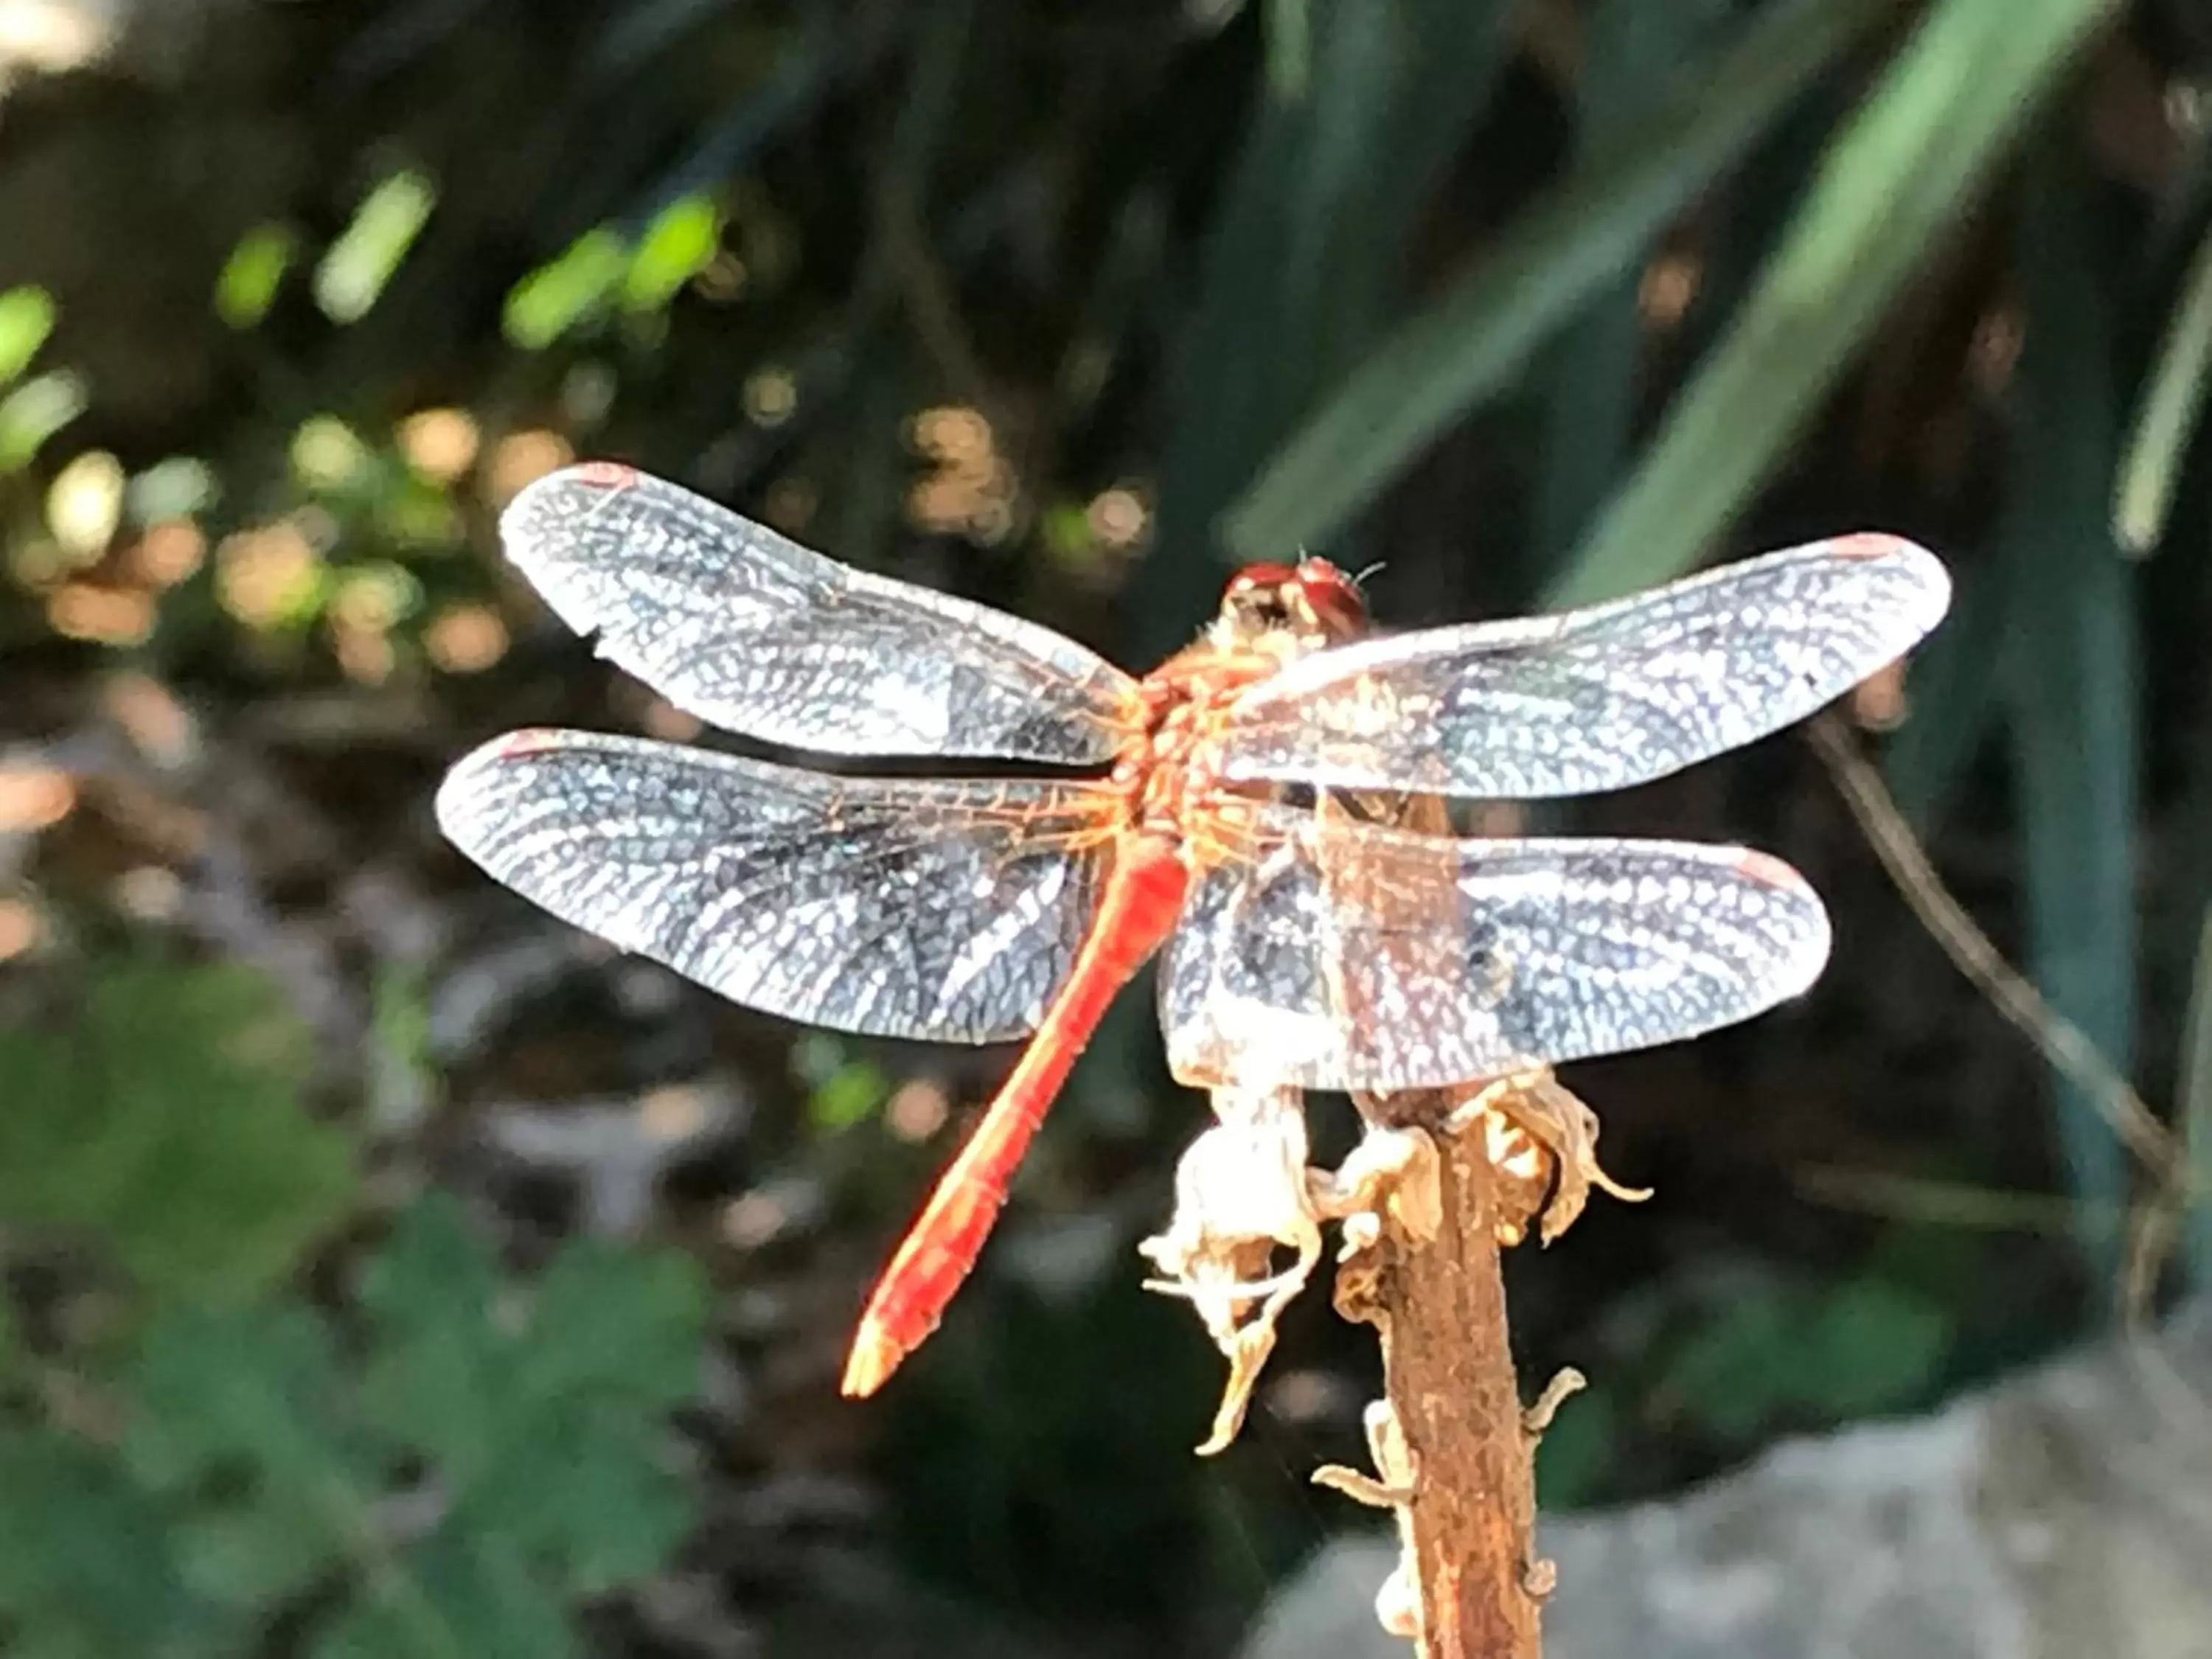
751 631
1596 699
1365 958
924 908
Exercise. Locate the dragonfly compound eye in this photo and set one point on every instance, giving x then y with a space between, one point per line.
1329 600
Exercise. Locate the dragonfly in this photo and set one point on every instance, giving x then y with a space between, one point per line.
1187 812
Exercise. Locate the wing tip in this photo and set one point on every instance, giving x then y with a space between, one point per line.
455 802
1928 593
539 508
1812 939
1768 871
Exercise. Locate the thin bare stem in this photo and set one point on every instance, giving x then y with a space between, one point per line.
2056 1037
2159 1222
2061 1042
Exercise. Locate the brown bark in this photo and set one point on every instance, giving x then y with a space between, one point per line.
1469 1511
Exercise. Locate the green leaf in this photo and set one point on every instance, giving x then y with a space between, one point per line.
1578 240
87 1568
254 1472
1579 1451
457 1595
327 455
848 1096
355 268
249 278
483 1378
1728 1374
161 1117
555 297
1778 1349
174 488
244 1417
27 318
1869 1347
612 1347
2068 670
34 411
1893 182
681 242
441 1377
617 1328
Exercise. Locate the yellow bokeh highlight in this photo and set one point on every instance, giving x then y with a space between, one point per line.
20 929
168 553
104 616
84 504
37 562
917 1109
520 459
1118 518
365 654
373 599
327 454
1668 289
270 576
771 397
440 444
971 489
161 727
465 639
33 797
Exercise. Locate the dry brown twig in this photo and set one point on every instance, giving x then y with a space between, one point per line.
1441 1180
2062 1044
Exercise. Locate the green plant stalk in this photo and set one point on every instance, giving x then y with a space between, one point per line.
2193 1113
2067 669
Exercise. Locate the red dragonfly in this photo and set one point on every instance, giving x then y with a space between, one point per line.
1305 948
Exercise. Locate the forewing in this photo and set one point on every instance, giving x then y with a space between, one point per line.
1596 699
947 910
751 631
1378 959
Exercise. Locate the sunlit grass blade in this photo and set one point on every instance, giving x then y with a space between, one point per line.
252 274
1594 226
27 318
1893 181
1929 1202
2158 441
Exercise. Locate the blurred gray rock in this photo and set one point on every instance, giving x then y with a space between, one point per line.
2065 1513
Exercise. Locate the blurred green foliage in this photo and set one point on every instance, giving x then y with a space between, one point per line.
156 1114
1068 312
497 1454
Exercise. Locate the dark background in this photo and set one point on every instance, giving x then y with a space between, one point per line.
389 1270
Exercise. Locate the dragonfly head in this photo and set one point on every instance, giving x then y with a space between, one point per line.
1312 598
